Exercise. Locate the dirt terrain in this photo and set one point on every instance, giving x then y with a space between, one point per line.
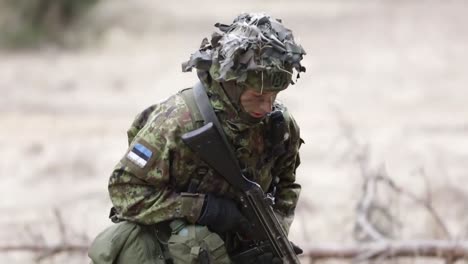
386 76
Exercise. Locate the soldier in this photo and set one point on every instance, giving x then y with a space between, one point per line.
170 206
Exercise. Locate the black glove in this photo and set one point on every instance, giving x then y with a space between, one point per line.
220 214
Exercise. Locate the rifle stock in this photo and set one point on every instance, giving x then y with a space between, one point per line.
212 148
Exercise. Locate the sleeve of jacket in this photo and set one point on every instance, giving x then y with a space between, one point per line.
142 185
287 190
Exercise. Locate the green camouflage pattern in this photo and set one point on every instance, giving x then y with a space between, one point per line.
157 192
125 243
255 50
191 244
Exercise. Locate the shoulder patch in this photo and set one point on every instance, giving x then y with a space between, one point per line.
139 158
139 155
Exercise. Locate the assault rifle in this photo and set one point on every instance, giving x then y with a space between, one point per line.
213 148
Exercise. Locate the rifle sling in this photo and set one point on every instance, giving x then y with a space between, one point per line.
209 115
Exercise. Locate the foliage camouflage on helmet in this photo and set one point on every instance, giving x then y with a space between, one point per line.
255 50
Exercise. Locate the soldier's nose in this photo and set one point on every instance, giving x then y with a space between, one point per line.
266 106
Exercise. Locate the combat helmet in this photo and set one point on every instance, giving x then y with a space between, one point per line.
255 51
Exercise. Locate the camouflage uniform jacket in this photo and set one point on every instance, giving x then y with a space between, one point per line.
152 190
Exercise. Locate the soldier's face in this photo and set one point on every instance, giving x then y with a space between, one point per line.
257 104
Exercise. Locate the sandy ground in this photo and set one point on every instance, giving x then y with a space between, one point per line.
390 73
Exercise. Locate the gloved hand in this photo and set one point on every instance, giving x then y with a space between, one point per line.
268 257
220 214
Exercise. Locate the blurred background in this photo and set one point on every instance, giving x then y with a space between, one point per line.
385 89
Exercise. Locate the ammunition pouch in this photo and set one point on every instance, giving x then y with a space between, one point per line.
191 244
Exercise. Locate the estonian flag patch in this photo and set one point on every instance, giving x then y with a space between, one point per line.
139 155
